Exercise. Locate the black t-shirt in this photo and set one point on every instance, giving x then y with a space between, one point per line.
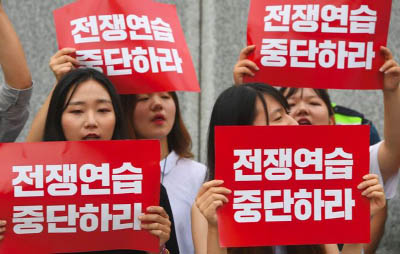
171 245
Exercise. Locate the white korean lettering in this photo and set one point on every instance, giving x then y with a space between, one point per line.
248 159
89 173
90 58
319 203
89 221
339 164
305 18
141 63
28 176
303 159
331 13
269 205
279 14
327 54
127 179
162 30
363 23
111 62
302 206
85 26
113 27
63 184
247 202
136 24
53 219
273 52
364 52
278 169
310 53
27 219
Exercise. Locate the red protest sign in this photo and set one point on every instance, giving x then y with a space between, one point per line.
292 185
321 43
58 197
139 45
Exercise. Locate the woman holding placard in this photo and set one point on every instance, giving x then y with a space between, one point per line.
85 106
313 106
152 116
255 104
157 116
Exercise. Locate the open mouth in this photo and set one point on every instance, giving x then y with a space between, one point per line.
91 136
304 121
158 118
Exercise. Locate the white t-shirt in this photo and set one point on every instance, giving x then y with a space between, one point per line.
182 178
390 185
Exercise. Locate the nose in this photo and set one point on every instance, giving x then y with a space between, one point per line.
156 102
91 121
299 109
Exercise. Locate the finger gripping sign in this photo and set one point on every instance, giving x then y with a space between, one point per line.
139 45
292 185
60 197
323 44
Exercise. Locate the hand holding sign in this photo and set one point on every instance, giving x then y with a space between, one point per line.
391 69
62 62
211 197
322 44
141 41
374 192
62 195
158 223
244 67
292 177
2 226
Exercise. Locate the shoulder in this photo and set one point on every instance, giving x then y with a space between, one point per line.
192 165
375 147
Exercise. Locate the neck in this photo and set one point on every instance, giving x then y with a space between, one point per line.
164 147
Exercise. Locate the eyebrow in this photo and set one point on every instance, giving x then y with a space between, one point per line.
306 97
277 110
73 103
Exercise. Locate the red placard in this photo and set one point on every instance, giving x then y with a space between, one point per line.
82 196
280 176
321 43
139 45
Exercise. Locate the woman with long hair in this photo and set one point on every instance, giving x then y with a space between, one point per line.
254 104
84 105
153 116
158 116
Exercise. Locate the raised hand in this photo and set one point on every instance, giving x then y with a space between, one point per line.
244 67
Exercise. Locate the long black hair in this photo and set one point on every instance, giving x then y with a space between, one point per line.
59 101
237 106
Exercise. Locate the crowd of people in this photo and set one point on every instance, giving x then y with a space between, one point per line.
84 105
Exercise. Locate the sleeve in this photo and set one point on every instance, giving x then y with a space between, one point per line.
390 185
172 244
14 111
